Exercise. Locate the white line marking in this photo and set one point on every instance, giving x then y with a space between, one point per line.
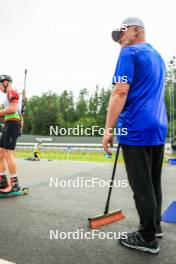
2 261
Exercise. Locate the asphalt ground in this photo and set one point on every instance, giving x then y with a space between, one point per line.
29 225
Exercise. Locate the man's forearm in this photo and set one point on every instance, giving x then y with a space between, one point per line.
115 107
7 111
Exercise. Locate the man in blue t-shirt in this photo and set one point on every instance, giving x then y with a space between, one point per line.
137 106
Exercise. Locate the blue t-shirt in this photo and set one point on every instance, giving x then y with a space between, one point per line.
144 114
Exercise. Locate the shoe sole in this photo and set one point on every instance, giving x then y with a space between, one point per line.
152 251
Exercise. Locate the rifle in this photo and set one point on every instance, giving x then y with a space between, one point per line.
24 99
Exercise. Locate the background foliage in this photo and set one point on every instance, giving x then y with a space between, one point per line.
88 109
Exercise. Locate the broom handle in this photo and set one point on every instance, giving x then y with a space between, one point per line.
112 181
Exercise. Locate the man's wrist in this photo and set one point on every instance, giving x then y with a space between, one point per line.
109 130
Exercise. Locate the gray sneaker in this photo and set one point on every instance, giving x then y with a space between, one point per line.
135 241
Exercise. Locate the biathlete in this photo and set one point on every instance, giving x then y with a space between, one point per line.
11 131
37 152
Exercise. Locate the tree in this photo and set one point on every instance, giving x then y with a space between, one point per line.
86 122
94 103
103 104
66 107
41 113
170 96
82 105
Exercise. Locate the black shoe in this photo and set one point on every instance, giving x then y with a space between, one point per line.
135 241
158 232
15 185
3 182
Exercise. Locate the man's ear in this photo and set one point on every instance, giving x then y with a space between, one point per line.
136 31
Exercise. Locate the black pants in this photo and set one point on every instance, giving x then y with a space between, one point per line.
143 166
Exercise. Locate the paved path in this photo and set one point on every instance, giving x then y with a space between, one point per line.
26 223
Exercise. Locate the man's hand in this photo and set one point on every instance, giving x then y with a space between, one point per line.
107 140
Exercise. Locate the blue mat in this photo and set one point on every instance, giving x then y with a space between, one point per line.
169 214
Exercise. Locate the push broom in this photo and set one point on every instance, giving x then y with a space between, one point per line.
107 217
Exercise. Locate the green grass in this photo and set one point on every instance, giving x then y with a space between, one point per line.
91 156
74 155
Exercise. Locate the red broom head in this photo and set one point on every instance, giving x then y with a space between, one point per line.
106 219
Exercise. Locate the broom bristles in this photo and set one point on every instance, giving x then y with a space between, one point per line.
106 219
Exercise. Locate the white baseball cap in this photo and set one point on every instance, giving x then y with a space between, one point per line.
130 21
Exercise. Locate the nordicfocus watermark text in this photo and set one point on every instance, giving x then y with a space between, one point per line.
80 234
81 182
80 130
120 79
